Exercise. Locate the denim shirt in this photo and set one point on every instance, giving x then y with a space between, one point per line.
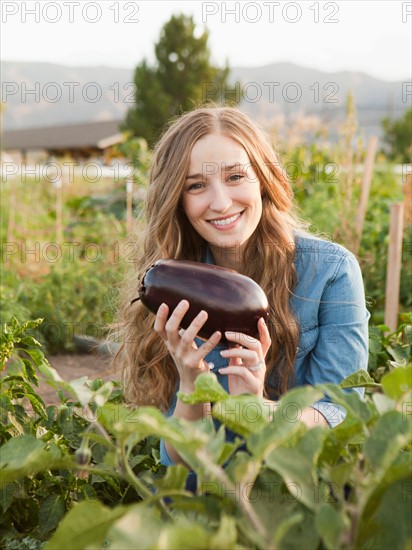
328 301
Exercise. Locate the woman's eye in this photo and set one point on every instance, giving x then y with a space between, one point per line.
236 177
194 187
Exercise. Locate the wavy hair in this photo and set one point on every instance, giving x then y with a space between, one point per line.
149 374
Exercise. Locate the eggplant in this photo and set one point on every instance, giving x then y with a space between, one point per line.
233 301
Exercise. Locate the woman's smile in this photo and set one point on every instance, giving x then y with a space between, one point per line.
226 223
222 194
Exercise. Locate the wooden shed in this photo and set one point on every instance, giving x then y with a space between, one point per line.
79 141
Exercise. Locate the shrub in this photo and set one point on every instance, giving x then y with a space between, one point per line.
86 473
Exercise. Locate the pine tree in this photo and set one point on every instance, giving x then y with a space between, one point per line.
182 78
398 136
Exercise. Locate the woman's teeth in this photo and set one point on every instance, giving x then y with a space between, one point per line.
227 221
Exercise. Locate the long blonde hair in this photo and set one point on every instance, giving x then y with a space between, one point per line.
149 373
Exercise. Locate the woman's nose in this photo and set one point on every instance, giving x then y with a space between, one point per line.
220 199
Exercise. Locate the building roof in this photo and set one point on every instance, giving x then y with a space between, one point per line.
72 136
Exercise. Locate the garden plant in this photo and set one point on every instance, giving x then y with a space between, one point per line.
84 472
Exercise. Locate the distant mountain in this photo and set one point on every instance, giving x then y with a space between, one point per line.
288 89
46 94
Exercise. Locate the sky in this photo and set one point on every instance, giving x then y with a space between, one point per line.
370 36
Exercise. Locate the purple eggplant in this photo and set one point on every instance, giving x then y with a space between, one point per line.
233 301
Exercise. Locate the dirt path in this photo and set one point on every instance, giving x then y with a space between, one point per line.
71 367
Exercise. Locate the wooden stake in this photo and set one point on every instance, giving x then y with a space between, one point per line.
12 210
393 269
58 185
11 224
407 200
365 188
129 205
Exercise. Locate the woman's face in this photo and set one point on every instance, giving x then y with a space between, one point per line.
222 194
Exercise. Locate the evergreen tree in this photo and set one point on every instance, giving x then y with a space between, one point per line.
398 135
182 78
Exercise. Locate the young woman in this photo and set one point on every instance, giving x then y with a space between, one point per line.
218 194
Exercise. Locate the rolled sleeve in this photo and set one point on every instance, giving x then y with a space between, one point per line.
334 414
164 455
342 345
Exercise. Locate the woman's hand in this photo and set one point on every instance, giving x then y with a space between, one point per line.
247 366
189 359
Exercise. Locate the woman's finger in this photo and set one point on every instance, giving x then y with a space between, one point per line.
246 355
264 335
173 324
207 347
160 320
243 339
242 372
192 330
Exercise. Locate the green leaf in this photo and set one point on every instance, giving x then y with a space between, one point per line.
397 382
390 435
81 390
261 444
102 395
383 403
138 527
359 379
226 535
207 389
284 527
7 493
401 354
375 340
52 510
242 470
353 403
244 414
297 465
291 405
85 525
388 521
329 525
36 355
24 455
175 478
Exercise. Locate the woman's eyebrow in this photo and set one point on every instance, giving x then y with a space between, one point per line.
224 166
236 165
193 176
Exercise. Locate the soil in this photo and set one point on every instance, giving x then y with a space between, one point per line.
71 367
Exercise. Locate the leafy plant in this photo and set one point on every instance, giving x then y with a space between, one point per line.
90 466
388 349
44 449
398 137
181 77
